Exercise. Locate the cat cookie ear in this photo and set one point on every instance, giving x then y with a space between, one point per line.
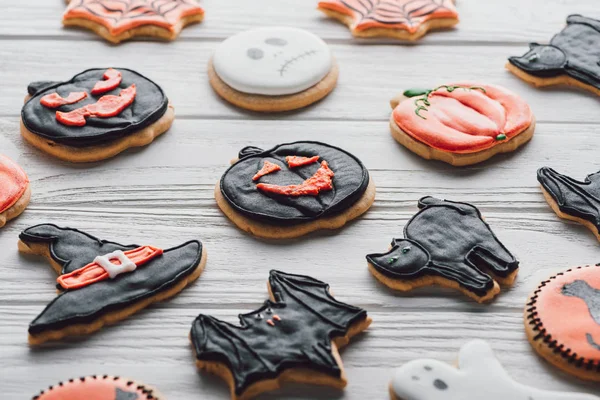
477 355
580 19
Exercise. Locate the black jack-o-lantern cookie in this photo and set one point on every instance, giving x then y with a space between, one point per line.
562 321
96 115
293 189
572 199
571 58
102 282
98 387
273 69
120 20
14 190
448 244
294 336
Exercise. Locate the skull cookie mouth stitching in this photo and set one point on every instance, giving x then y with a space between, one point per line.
302 56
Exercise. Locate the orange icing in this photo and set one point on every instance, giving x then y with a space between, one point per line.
119 16
567 319
111 80
13 183
465 120
407 15
93 389
55 100
296 161
268 168
320 181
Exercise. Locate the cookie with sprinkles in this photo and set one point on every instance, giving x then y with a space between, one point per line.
398 19
119 20
562 321
97 387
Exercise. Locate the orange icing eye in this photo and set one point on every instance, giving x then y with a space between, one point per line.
268 168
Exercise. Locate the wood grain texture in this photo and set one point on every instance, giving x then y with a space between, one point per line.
163 195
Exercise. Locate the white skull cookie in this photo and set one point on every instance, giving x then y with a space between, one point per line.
272 61
479 375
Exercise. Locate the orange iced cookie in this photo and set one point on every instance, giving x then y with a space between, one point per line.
118 20
461 124
399 19
96 387
14 190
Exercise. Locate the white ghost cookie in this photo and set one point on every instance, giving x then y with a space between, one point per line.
479 375
273 69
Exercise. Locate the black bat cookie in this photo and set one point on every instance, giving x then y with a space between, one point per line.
149 106
572 199
294 330
240 190
88 298
574 52
446 243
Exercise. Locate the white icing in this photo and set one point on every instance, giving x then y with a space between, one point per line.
272 61
113 270
479 376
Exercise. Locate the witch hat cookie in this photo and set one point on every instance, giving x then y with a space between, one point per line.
273 69
14 190
449 244
96 115
572 57
294 336
98 387
117 21
461 124
398 19
293 189
479 375
572 199
102 282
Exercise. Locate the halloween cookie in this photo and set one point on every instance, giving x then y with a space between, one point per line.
293 189
273 69
571 199
102 282
294 336
120 20
571 58
398 19
479 375
461 124
14 190
98 387
95 115
447 244
562 321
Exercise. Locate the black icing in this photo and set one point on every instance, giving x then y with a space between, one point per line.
150 104
574 51
591 297
575 198
309 318
350 182
122 395
73 249
451 240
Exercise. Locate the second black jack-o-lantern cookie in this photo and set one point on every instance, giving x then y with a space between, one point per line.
273 69
294 337
562 321
95 115
102 282
294 189
448 244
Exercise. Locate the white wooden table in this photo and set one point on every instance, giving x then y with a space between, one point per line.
163 194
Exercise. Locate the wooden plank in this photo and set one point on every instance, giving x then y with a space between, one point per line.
508 21
360 94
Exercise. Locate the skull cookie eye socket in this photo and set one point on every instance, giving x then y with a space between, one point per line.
255 54
276 42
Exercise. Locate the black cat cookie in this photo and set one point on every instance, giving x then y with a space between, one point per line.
448 244
572 57
562 321
102 282
294 336
96 387
96 115
293 189
572 199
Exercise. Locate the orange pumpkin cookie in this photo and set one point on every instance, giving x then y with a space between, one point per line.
14 190
562 321
96 387
461 124
118 20
398 19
